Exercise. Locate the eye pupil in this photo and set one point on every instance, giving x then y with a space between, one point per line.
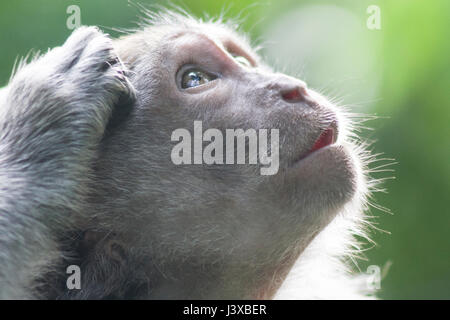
194 78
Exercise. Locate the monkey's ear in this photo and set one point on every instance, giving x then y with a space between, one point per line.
109 246
120 112
116 250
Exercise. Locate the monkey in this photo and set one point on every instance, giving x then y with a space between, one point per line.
86 176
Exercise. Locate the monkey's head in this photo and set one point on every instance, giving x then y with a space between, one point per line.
218 230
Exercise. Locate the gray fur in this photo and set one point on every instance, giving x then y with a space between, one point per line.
75 189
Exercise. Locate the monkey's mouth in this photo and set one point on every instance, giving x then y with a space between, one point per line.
326 138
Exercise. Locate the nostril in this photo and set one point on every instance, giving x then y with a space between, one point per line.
294 95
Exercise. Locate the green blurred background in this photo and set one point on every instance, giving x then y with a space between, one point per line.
400 72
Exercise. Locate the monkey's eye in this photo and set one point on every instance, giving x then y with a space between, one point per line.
242 60
194 78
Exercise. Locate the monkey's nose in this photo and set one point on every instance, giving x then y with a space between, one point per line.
296 94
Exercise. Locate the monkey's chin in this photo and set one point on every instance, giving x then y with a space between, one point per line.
328 173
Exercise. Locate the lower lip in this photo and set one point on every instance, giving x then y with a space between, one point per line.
313 159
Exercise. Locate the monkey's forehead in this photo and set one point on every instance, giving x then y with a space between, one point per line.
168 25
178 19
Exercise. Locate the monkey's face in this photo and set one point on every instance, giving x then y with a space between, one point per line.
220 230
